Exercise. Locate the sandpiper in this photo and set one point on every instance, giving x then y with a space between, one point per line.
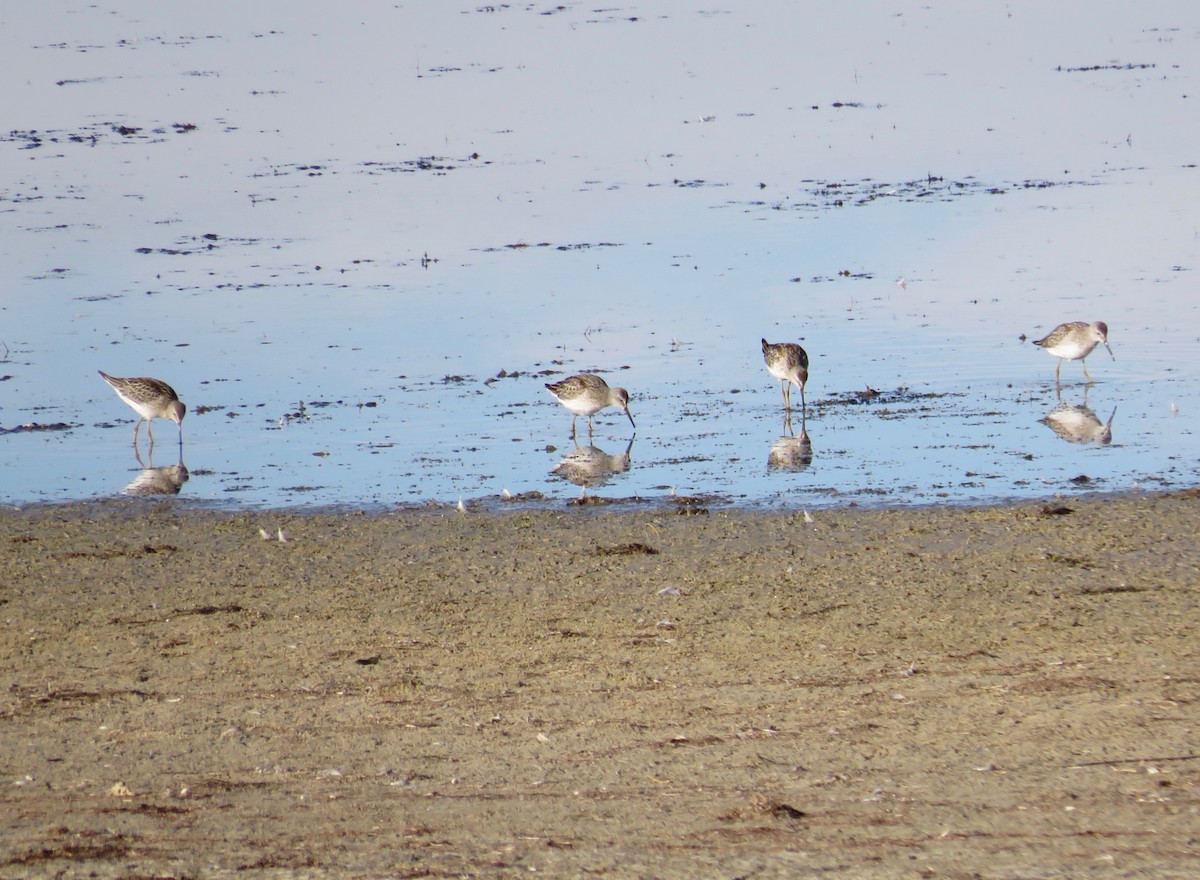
150 399
586 394
1074 341
788 363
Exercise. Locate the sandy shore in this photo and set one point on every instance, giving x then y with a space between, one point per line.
995 692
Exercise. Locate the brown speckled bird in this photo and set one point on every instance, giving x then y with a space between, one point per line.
788 363
150 399
587 394
1074 341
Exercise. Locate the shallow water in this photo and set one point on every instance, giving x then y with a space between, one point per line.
359 245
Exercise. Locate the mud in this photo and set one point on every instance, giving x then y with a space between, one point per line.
988 692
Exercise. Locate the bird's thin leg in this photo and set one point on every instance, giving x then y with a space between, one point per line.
1058 372
573 420
137 425
1083 363
787 396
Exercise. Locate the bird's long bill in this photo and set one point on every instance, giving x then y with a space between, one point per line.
1106 345
628 413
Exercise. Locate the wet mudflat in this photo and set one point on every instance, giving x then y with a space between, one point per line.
936 693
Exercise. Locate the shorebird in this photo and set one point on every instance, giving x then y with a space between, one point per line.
586 394
1074 341
150 399
788 363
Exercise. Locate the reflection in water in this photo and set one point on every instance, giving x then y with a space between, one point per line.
590 466
789 452
157 480
1077 423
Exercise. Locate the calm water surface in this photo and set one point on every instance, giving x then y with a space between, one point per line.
358 244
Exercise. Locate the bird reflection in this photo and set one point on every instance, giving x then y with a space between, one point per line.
790 452
1077 423
157 480
590 466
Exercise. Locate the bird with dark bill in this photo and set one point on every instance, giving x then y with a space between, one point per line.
788 363
1074 341
586 394
150 399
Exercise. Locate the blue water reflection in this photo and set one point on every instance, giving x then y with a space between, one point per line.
360 245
